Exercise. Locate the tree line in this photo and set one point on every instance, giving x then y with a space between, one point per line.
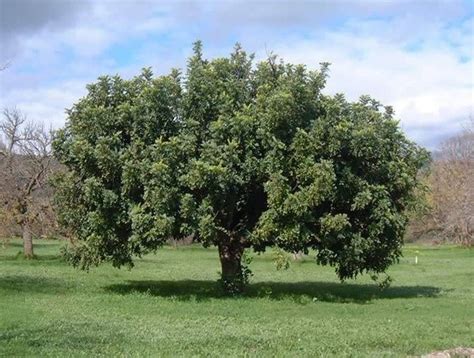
446 211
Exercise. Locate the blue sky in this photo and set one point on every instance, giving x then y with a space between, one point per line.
414 55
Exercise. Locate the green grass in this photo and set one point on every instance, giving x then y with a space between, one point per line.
170 305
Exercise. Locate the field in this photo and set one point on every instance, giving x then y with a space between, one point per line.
170 305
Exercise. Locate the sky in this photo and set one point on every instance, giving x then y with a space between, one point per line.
416 56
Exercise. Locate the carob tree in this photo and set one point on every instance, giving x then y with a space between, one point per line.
239 156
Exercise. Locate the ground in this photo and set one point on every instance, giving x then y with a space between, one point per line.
170 305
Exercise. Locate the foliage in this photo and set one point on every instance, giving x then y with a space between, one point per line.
238 156
281 259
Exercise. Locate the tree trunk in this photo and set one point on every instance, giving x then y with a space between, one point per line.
297 255
27 242
230 255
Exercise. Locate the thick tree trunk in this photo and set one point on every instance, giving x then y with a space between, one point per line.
230 255
27 242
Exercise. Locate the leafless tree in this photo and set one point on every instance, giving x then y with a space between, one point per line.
451 194
25 165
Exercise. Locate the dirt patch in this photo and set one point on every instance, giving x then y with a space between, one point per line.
452 353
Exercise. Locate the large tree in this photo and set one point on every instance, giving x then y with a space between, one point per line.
239 156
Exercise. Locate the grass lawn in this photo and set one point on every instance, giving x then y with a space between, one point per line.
169 305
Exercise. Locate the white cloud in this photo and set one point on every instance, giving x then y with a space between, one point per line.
87 41
422 65
46 105
428 87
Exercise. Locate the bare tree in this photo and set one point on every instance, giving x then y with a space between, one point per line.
25 165
451 194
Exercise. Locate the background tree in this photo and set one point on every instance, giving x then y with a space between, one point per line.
239 157
25 164
450 198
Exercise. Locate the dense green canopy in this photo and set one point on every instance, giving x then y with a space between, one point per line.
237 155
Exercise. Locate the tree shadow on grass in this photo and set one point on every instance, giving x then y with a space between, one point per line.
14 284
302 292
36 244
9 253
51 258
